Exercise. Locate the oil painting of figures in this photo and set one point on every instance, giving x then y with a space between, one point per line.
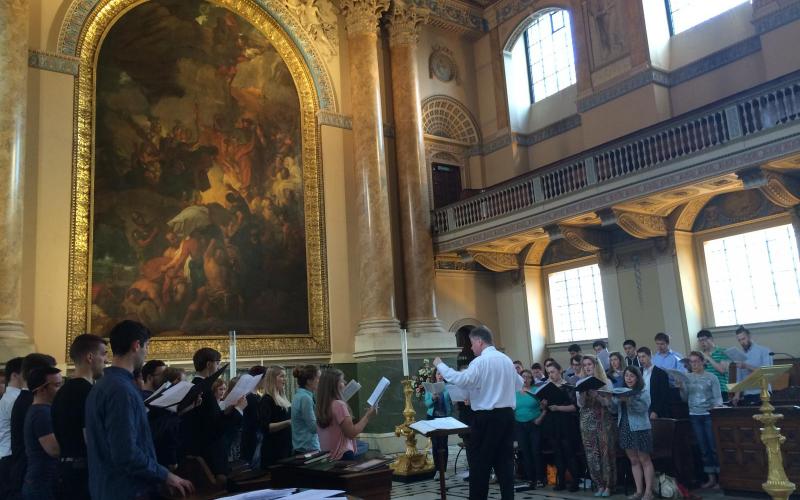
198 220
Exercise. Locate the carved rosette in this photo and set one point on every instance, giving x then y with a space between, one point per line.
362 15
404 22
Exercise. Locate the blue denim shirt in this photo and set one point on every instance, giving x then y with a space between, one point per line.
122 458
447 407
638 410
304 421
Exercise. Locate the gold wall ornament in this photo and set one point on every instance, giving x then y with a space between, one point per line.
362 15
642 226
318 19
497 261
105 14
412 462
404 23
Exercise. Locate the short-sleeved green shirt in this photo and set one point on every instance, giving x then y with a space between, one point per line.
718 355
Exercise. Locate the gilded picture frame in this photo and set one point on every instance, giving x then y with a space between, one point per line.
317 341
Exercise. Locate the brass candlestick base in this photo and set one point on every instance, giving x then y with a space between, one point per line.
412 462
778 485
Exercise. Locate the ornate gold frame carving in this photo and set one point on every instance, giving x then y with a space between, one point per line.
99 21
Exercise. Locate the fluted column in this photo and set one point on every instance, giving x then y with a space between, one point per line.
418 262
378 328
13 96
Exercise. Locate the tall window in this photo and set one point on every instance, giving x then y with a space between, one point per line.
685 14
754 276
576 304
548 48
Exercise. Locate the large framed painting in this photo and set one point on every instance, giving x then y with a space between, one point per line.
198 192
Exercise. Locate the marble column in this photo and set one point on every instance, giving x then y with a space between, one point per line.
378 329
418 261
13 96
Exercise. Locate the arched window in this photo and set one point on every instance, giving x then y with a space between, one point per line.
548 50
685 14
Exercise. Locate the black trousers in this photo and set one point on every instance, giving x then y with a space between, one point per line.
529 438
74 480
493 448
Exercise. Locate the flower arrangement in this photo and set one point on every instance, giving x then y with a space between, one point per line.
424 374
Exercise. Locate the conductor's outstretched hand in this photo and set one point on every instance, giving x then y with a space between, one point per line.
437 360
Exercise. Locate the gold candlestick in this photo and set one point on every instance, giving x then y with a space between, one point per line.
412 462
778 485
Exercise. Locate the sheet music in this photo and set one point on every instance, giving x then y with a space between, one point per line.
313 494
444 423
737 355
173 395
456 393
267 494
377 394
679 375
433 387
164 387
246 384
350 389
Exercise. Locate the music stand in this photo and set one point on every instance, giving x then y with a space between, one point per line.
442 465
777 485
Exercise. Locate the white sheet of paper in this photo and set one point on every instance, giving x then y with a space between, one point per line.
377 394
164 387
737 355
350 389
173 395
433 387
679 375
267 494
313 494
444 423
456 393
246 384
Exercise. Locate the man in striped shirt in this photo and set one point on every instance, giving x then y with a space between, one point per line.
717 362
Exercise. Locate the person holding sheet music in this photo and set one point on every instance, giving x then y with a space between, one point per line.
121 456
304 422
717 361
702 392
529 417
634 431
754 356
561 425
276 422
614 374
656 382
598 428
438 405
337 432
492 383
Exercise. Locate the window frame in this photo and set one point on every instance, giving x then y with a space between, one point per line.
671 24
722 232
557 268
547 11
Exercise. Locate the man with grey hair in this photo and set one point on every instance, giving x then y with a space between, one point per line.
491 383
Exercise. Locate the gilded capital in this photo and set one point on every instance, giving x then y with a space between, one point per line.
404 21
362 15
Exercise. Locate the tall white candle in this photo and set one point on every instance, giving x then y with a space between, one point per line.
404 349
232 353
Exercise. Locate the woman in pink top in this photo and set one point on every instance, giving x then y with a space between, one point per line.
335 427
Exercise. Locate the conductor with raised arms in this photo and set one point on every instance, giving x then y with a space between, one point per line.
492 383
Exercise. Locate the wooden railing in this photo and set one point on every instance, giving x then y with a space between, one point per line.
746 114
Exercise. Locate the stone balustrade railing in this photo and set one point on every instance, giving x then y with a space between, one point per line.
771 105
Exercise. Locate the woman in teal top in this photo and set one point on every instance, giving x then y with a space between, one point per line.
438 405
304 421
529 415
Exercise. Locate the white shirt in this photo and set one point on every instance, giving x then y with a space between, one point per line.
646 372
6 405
490 380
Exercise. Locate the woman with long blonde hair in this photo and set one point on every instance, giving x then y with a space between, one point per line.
598 429
275 418
335 427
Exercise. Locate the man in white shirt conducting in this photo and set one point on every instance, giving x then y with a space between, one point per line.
492 384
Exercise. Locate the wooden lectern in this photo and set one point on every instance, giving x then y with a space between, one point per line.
777 485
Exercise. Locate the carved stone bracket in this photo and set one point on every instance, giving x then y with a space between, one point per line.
778 188
587 240
497 261
404 21
638 225
362 15
683 217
